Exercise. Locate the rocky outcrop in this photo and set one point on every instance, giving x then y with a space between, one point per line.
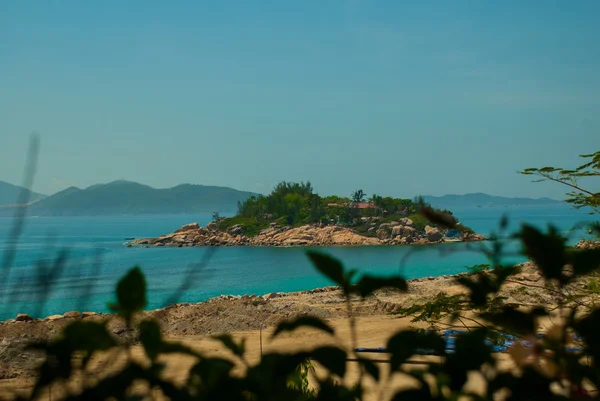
433 234
473 237
588 244
395 233
23 317
188 227
405 221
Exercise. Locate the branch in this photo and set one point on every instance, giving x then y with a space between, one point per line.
570 185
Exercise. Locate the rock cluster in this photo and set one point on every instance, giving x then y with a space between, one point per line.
399 232
588 244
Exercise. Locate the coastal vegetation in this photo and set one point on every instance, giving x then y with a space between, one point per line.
296 204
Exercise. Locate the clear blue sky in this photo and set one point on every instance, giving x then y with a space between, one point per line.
395 98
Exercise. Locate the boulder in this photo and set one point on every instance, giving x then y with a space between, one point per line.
405 221
235 230
403 231
474 237
382 233
433 234
53 317
188 227
87 314
23 317
408 231
384 226
72 315
394 223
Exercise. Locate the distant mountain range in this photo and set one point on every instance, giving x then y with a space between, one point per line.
485 200
9 194
124 197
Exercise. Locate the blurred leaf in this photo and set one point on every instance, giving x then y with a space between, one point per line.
587 327
131 294
472 350
330 390
479 290
421 394
405 344
504 222
86 336
443 219
151 338
546 250
209 372
369 284
302 321
332 358
513 320
227 341
485 284
330 267
585 261
370 367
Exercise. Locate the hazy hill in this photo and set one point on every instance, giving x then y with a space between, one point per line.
124 197
9 194
480 199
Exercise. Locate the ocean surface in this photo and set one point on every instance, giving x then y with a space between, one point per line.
96 258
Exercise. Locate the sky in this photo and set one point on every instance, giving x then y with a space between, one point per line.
396 98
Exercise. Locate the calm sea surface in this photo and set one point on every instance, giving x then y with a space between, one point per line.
84 284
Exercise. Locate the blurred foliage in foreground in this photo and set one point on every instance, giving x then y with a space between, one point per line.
562 364
544 370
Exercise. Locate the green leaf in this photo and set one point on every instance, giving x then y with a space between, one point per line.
329 266
151 338
405 344
303 321
131 294
227 341
369 284
370 367
332 358
546 250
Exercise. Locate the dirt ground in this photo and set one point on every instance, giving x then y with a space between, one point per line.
243 317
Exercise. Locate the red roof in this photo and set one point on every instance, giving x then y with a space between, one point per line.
362 205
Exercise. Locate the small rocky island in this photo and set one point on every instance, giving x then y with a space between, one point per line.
292 215
399 232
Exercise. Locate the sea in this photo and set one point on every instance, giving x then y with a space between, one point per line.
62 264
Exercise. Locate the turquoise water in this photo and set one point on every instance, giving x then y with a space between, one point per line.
244 270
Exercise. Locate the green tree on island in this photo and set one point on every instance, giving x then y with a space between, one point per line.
358 196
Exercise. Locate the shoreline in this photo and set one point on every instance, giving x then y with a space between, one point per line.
69 315
583 244
401 232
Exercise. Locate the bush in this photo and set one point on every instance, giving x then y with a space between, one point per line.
250 225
